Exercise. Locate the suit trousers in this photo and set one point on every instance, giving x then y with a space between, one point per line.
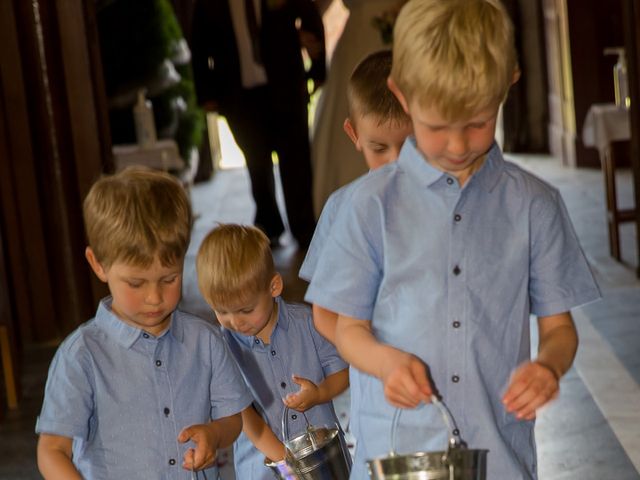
261 124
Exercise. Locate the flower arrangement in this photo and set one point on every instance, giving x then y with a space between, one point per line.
386 20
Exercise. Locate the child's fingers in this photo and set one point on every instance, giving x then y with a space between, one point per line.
188 461
303 382
423 385
185 434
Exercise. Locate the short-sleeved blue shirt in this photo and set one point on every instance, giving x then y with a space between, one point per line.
451 275
123 395
327 217
296 348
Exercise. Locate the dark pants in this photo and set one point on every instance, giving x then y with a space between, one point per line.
261 125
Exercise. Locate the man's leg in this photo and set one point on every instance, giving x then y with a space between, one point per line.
248 119
291 134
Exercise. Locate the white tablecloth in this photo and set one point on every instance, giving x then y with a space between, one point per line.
605 123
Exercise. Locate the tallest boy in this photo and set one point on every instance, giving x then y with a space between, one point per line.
437 260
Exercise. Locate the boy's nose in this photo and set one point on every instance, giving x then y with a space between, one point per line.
457 144
154 296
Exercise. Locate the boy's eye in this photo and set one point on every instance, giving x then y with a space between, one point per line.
246 311
477 125
134 284
170 279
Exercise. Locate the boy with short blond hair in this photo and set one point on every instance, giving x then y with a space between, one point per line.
378 126
128 388
274 343
436 262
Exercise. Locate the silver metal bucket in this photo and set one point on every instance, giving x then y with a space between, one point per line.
317 454
456 463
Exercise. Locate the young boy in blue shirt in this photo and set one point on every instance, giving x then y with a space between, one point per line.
142 390
378 126
274 343
436 262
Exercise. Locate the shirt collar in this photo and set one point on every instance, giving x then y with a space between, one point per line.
125 334
413 162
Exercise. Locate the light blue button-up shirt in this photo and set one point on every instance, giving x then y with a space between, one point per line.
124 395
451 275
296 348
323 228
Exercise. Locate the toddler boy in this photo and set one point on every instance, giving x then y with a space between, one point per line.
128 388
436 262
274 343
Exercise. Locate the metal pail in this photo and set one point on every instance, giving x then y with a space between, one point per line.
316 454
456 463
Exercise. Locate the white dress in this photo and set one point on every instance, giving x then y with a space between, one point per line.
335 159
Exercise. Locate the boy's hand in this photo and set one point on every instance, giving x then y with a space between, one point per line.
305 398
405 380
206 440
532 385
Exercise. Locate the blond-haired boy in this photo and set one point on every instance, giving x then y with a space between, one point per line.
436 262
274 343
378 126
127 390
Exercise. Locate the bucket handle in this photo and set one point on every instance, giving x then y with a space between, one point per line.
454 440
285 427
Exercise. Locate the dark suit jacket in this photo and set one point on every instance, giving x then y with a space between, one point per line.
215 55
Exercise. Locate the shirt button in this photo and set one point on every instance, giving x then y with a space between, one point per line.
457 217
257 341
294 416
456 270
273 353
145 335
166 411
450 181
455 379
456 432
158 363
172 461
283 384
456 324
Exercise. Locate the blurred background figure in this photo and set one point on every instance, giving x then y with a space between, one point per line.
248 65
335 161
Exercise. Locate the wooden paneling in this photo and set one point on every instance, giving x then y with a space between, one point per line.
55 143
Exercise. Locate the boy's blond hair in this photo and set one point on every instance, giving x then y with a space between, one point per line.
234 262
457 56
136 216
368 93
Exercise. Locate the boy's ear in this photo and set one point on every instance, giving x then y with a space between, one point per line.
95 264
516 75
351 132
276 286
396 91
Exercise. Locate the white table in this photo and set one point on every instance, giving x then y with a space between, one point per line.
606 123
162 155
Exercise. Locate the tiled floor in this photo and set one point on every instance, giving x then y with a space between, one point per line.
591 432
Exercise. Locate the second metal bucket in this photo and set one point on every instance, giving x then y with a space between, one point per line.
456 463
316 454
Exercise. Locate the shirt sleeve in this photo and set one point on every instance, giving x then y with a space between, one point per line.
330 359
349 270
560 277
229 393
319 239
68 398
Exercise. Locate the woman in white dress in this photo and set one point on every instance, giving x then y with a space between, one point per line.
335 160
